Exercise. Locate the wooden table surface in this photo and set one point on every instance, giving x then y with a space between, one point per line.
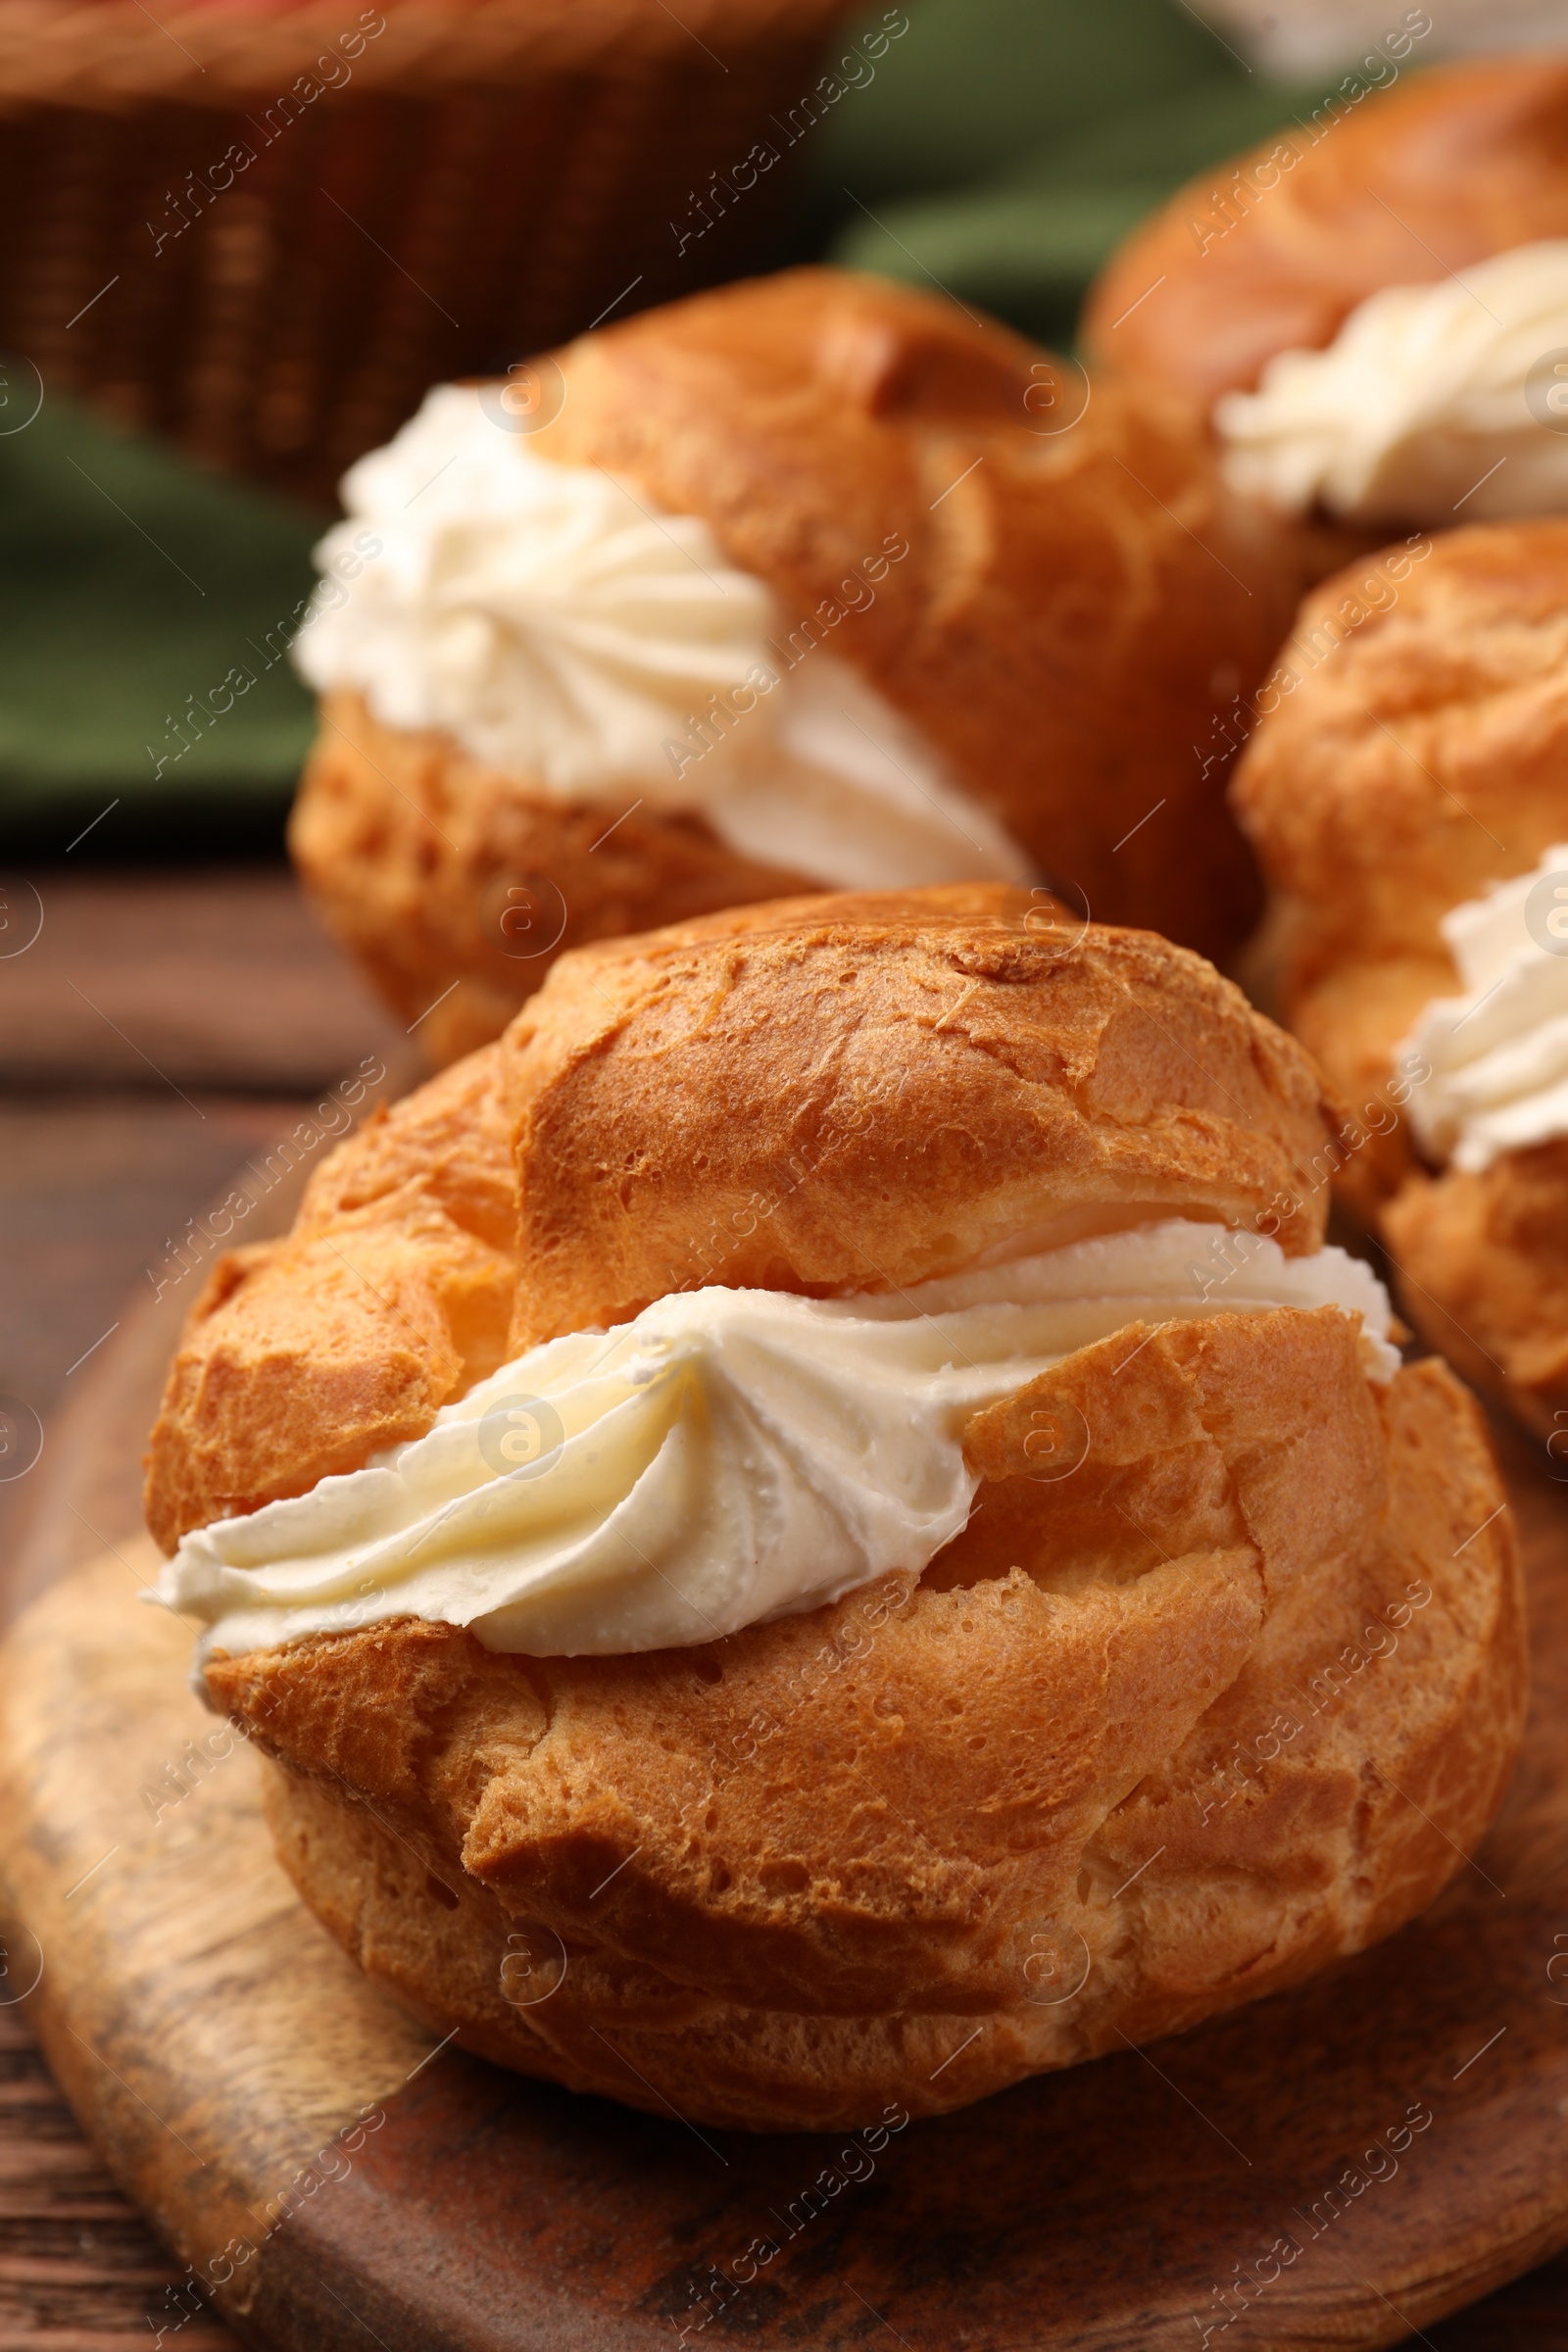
160 1026
159 1029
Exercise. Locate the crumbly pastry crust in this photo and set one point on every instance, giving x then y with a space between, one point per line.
1145 1740
1446 168
1421 755
1072 609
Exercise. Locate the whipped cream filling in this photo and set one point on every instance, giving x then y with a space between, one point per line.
727 1457
555 623
1432 403
1499 1053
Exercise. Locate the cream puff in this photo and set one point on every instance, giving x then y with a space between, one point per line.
813 581
1406 791
1380 297
1395 188
902 1561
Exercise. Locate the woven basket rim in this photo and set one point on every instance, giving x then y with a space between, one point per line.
110 54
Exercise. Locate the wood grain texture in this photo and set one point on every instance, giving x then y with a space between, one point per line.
251 2089
79 2271
215 977
221 980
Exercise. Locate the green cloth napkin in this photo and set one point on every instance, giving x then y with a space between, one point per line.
137 594
1006 147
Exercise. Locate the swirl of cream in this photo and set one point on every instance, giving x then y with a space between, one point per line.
1422 408
541 614
727 1457
555 624
1499 1053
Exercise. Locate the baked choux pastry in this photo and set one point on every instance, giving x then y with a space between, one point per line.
1380 297
1406 790
1391 187
949 1577
813 581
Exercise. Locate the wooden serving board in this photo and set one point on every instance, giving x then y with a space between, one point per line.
338 2180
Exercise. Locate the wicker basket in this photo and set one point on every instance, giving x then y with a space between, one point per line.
265 233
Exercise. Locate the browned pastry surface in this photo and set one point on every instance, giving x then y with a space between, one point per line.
392 1295
1485 1262
1072 609
1266 1639
791 1873
1442 170
953 1045
1408 757
429 863
1420 752
1352 1020
760 1099
1417 759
